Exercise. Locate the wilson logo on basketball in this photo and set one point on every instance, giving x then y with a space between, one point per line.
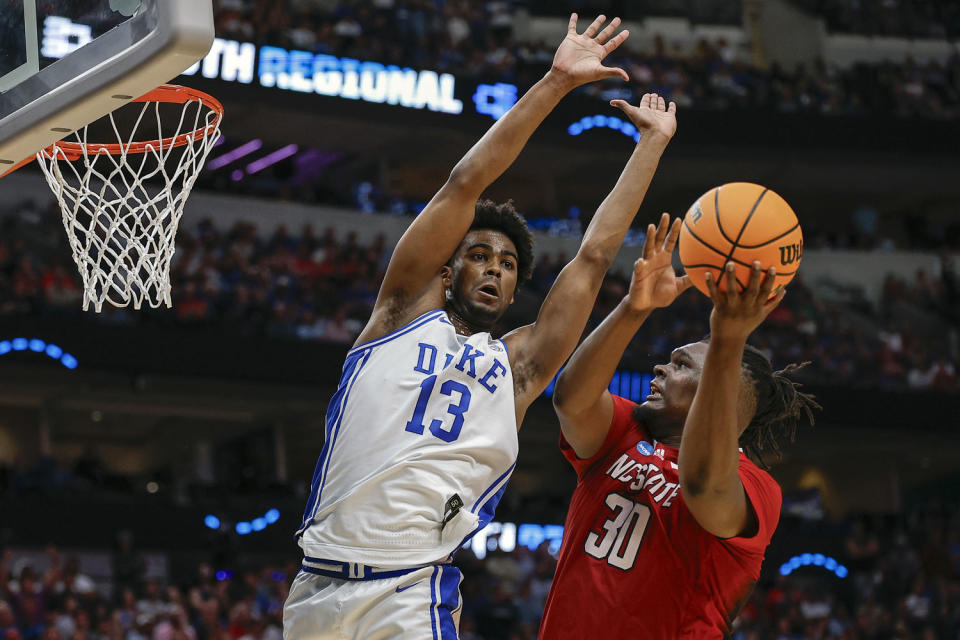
790 253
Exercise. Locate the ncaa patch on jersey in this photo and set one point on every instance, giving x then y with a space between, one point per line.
645 448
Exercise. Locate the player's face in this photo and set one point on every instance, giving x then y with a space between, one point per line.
672 391
482 277
675 383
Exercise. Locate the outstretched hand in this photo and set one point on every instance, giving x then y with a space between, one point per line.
578 59
653 114
737 313
654 283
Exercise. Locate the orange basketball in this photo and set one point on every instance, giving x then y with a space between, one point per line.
742 222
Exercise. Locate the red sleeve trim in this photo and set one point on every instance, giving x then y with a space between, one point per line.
765 498
621 422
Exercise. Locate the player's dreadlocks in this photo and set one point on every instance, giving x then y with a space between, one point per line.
780 406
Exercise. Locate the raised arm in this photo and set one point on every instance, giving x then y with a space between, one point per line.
435 234
709 458
540 349
580 398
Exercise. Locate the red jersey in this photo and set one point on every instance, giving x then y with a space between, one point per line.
634 561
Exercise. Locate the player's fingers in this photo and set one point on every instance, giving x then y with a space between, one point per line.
662 228
616 41
756 276
672 108
623 105
615 72
649 242
733 290
645 100
595 26
572 26
604 35
767 287
661 104
683 283
773 302
712 288
673 236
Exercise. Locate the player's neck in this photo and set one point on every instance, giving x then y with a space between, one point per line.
660 427
671 440
666 434
459 323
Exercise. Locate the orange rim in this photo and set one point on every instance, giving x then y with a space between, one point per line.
169 93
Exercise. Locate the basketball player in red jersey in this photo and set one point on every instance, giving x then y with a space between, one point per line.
669 522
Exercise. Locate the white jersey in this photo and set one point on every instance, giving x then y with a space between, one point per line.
421 439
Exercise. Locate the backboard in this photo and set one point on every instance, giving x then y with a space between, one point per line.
65 63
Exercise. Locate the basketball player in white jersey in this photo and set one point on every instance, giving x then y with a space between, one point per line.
421 435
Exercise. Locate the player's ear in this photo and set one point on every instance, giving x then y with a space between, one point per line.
446 275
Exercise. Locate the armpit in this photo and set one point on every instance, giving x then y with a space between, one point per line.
525 375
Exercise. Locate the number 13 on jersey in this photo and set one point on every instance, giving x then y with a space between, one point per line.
456 409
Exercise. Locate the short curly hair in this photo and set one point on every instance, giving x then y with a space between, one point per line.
505 218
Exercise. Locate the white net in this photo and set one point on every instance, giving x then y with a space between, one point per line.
122 203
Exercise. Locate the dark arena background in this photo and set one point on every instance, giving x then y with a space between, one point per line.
154 465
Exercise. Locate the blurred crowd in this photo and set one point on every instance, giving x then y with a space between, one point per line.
62 603
476 39
915 18
322 286
696 11
903 584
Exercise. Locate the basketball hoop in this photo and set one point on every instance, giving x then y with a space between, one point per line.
122 202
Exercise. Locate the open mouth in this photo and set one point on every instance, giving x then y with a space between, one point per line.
655 392
490 290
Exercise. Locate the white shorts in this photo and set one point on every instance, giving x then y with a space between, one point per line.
421 605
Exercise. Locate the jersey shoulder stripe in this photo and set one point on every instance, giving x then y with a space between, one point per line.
487 506
351 371
503 477
410 326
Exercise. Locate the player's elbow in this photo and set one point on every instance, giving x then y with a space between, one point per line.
559 397
702 481
563 401
696 481
464 178
692 489
595 259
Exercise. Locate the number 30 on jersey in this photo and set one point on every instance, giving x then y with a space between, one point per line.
619 542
